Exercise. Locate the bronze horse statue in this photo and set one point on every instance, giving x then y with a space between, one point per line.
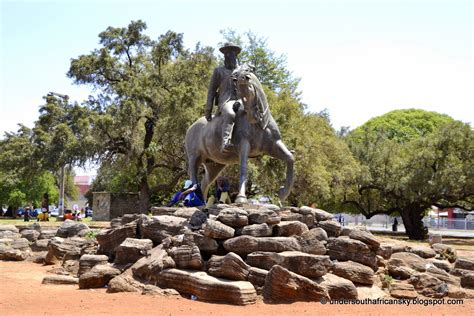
255 133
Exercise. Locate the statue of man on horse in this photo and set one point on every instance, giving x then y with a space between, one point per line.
242 128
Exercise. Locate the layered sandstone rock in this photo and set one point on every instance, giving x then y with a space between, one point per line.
284 286
311 266
208 288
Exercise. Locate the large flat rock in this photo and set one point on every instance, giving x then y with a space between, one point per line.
311 266
208 288
244 245
284 286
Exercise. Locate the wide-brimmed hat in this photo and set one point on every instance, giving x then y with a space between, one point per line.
229 47
187 184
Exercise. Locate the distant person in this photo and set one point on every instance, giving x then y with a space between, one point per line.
222 190
191 195
26 215
395 224
43 216
68 215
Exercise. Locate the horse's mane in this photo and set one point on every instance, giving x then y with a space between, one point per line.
260 109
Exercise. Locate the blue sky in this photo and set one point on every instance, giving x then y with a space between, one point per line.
358 59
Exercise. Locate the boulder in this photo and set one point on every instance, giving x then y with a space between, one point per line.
87 262
445 252
162 210
65 249
186 212
356 272
110 239
243 245
457 292
233 217
344 249
40 245
204 243
208 288
441 264
7 253
131 250
98 277
429 285
310 242
410 260
9 228
319 215
467 280
71 228
230 266
384 250
442 275
263 216
332 228
125 282
197 220
147 268
402 290
59 279
311 266
399 247
423 252
187 257
21 244
282 285
257 278
160 227
257 230
47 233
217 230
464 264
289 228
288 215
337 287
30 234
365 237
7 234
128 218
316 233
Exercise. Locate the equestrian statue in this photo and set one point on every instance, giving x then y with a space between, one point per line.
243 128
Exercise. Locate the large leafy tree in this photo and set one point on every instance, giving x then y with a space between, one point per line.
148 93
22 179
411 160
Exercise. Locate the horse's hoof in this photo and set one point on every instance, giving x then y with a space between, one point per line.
240 199
281 194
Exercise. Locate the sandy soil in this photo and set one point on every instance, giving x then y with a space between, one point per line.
21 293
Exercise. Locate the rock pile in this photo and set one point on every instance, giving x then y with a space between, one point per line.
236 253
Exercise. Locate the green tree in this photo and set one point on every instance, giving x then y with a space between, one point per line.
408 165
148 93
22 179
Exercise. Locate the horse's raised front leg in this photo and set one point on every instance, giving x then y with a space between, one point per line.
244 148
280 151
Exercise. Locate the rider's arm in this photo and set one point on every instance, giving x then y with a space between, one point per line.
212 93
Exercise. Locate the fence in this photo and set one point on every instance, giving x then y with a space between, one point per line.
385 221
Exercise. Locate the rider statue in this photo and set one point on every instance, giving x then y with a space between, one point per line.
222 93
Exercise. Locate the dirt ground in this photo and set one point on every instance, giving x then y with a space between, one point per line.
21 293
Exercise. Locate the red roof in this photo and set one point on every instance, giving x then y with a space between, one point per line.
81 180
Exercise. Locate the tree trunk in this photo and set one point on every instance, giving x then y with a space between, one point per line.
144 196
412 220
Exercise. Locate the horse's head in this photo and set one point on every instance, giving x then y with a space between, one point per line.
250 91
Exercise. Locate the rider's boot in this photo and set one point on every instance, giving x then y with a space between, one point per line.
227 138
